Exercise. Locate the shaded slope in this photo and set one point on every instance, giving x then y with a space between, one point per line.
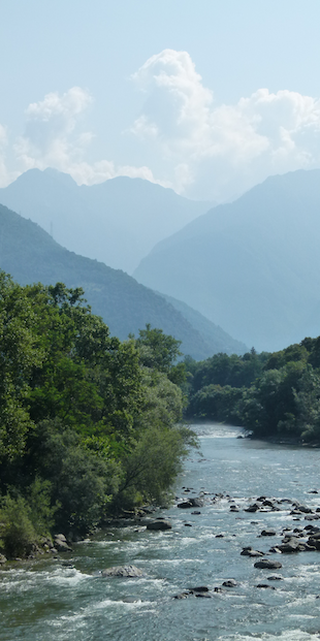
29 254
252 266
117 222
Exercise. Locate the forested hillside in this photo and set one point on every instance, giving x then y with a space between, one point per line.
88 424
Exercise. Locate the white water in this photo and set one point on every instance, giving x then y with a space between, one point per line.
47 601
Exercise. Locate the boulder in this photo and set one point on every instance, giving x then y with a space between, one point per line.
128 571
60 543
191 502
251 552
267 564
159 524
268 533
252 508
230 583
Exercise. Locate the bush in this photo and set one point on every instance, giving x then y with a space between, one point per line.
17 533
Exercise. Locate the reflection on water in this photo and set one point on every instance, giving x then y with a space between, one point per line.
48 601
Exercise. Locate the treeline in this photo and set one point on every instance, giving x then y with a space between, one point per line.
268 394
89 425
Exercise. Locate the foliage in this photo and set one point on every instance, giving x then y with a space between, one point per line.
269 394
79 411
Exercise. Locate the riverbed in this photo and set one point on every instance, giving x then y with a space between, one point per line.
68 599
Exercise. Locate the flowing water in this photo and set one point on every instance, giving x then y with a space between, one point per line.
69 600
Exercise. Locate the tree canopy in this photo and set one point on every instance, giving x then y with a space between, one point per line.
88 423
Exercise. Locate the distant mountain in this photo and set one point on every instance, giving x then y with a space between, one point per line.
252 266
117 222
30 255
217 339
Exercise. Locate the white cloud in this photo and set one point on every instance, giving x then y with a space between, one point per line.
200 148
224 149
52 139
6 176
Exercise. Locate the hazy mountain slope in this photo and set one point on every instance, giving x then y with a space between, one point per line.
117 222
215 336
252 266
29 254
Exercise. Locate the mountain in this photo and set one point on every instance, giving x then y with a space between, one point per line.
217 339
251 266
30 255
116 222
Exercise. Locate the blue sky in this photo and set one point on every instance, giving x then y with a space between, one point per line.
208 97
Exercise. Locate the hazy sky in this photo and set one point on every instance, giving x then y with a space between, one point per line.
207 97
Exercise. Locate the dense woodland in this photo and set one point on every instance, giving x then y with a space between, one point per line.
271 395
89 425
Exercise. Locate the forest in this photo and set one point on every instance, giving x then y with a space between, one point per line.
269 394
89 425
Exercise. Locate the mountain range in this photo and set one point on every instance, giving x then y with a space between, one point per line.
117 222
31 255
251 266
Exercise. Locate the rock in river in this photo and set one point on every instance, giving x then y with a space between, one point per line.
268 564
159 524
129 571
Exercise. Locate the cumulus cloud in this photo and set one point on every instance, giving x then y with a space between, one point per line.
223 149
53 138
6 176
200 148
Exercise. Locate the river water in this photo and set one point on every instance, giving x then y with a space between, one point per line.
68 599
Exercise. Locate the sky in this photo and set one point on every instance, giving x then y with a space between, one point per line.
208 98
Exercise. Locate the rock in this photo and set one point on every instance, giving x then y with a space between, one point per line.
200 592
314 543
230 583
128 571
2 559
60 543
250 552
289 545
196 512
252 508
275 577
191 502
268 533
202 588
267 564
265 585
61 546
159 524
301 508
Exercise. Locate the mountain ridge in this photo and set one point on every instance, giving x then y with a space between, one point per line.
251 266
30 255
117 221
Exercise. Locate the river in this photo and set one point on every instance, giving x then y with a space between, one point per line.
68 600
